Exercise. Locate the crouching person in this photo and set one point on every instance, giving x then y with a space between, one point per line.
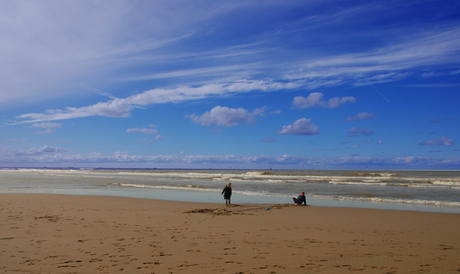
300 200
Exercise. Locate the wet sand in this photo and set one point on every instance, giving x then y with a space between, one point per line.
93 234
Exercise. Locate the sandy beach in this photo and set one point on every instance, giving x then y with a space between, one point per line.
93 234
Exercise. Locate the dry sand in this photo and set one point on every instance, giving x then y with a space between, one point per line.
90 234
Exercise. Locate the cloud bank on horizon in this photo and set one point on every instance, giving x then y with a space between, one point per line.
230 84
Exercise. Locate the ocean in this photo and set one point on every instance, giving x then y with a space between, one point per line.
428 191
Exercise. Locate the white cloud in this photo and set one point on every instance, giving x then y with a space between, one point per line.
312 100
143 130
302 126
208 71
384 64
379 142
316 99
375 66
47 125
353 132
61 42
52 155
121 107
40 151
114 108
353 146
260 111
443 141
157 138
85 41
360 116
46 131
224 116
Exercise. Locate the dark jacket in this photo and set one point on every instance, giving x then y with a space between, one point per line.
301 199
227 192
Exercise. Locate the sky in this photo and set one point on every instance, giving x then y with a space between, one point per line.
230 84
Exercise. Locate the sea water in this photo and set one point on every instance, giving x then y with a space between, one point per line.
430 191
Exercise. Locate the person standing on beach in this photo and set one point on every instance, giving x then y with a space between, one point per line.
301 199
227 192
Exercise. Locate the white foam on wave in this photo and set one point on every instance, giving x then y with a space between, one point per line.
358 183
188 187
202 188
389 200
432 186
263 176
446 182
323 197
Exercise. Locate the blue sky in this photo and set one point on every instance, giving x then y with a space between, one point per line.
230 84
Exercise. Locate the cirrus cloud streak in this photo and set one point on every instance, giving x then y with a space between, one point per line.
122 107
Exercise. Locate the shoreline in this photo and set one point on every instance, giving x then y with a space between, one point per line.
215 198
55 233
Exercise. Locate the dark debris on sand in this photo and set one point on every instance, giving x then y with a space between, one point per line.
237 209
